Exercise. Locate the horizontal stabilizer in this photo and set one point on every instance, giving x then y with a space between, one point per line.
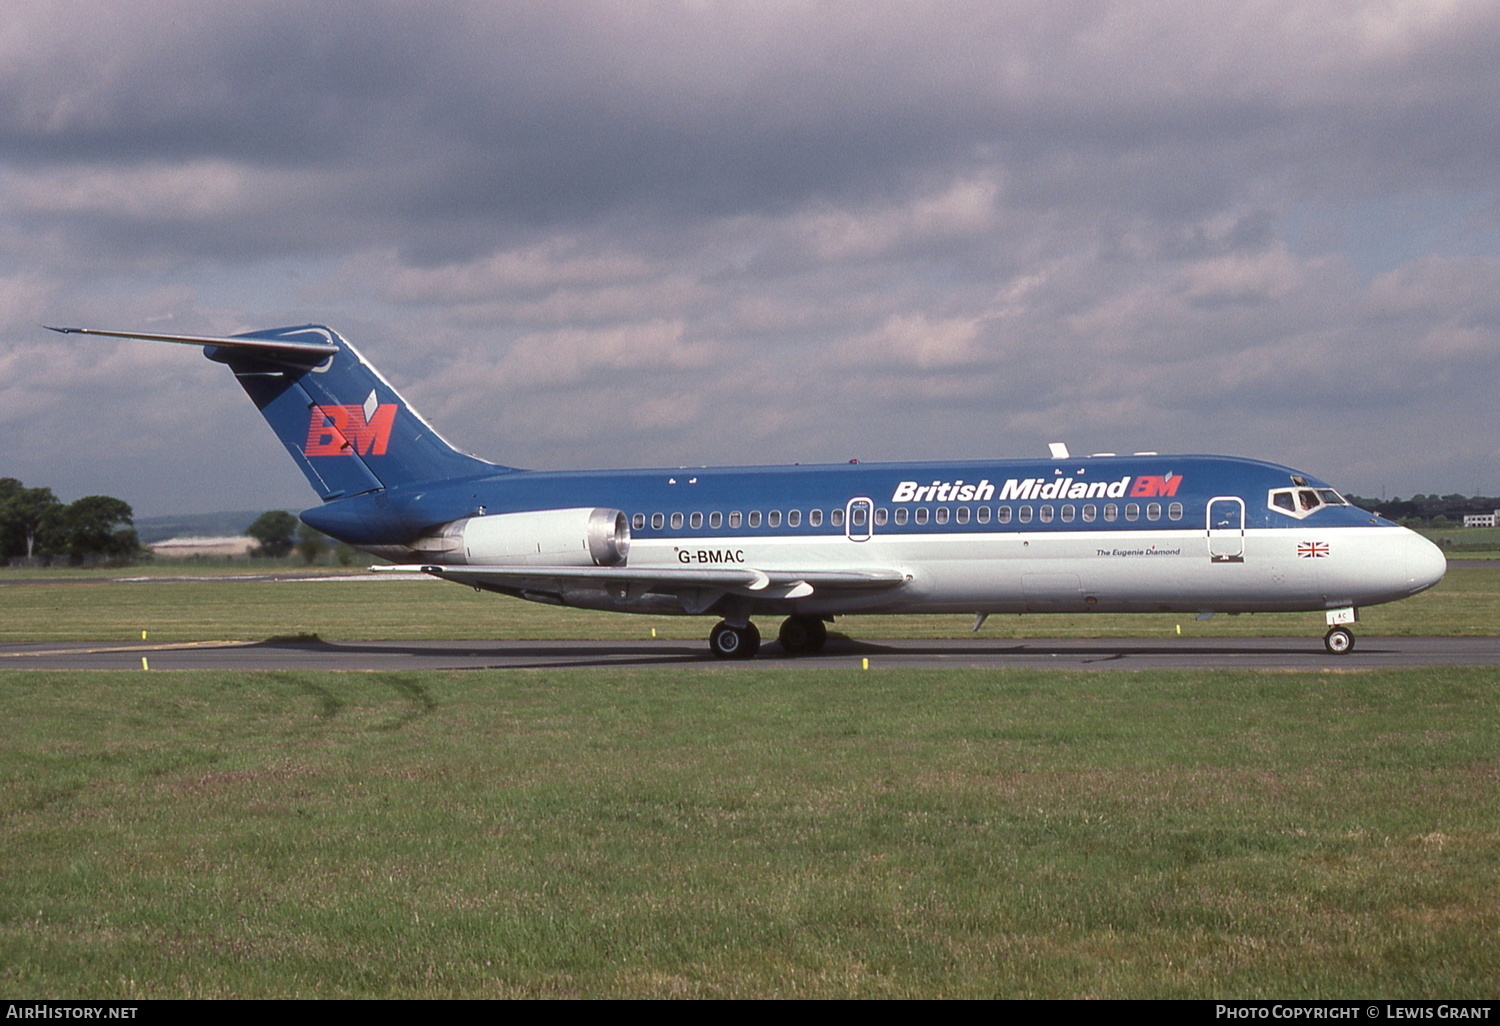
297 351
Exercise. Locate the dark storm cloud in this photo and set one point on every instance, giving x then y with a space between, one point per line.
419 120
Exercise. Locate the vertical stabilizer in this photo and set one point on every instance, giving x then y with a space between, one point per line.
343 423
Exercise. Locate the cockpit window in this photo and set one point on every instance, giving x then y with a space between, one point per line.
1304 501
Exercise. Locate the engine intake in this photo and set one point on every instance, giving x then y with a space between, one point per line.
547 537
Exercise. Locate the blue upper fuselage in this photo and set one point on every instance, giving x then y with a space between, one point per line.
1095 493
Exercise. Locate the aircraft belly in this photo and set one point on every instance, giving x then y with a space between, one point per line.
1157 571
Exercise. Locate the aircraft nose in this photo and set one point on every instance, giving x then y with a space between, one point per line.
1425 563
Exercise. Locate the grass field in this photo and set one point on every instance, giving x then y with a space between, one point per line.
774 831
1465 542
367 607
770 832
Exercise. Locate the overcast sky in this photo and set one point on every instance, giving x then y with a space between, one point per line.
646 234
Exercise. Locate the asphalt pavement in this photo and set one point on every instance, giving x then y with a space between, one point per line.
1295 653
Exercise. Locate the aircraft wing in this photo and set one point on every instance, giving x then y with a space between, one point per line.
694 584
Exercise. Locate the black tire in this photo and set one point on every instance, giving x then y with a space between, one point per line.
802 635
728 642
1339 640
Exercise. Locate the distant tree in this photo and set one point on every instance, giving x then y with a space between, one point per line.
345 553
310 543
94 527
22 511
1398 510
273 533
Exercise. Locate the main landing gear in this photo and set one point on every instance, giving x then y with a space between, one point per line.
799 635
802 635
1339 640
729 642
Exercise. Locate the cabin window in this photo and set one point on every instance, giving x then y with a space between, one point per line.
1045 515
1153 511
1132 511
1089 513
857 516
695 521
676 521
922 515
734 518
773 518
657 520
638 522
961 514
1174 511
814 517
942 515
901 514
880 516
793 517
1024 514
836 518
1002 515
1111 512
754 518
982 514
1067 514
716 520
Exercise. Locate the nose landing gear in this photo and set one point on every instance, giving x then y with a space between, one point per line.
1339 640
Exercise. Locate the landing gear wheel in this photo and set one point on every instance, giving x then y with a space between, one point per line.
802 635
1339 640
728 642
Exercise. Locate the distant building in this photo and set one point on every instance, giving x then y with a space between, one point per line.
1481 519
181 548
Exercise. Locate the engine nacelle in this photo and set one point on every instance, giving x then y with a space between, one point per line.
547 537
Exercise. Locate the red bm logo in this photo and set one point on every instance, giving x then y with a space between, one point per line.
345 431
1148 485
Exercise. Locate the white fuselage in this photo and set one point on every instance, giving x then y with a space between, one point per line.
1077 571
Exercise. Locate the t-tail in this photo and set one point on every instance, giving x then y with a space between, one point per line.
343 423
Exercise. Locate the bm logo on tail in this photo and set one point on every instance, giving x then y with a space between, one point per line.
350 430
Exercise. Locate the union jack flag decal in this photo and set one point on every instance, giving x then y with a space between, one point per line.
1312 550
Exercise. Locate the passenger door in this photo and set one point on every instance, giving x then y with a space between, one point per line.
1226 529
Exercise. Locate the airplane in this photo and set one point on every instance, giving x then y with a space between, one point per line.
1145 532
